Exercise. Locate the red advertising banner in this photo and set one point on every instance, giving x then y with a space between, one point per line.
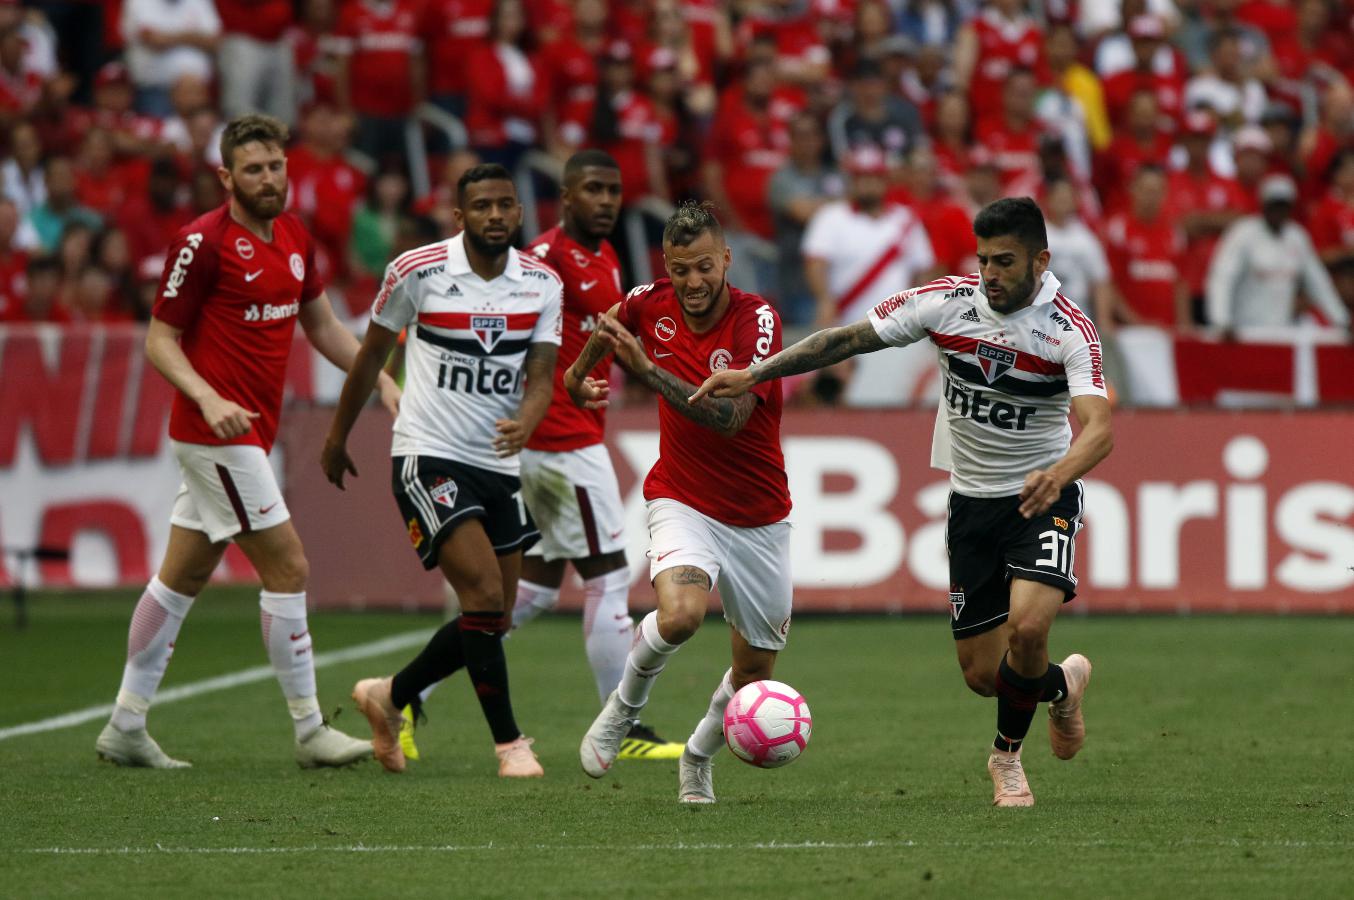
1216 511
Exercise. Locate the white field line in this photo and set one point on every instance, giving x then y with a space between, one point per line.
221 683
160 849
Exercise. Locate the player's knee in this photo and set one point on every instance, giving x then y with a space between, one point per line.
1029 637
482 593
980 679
678 624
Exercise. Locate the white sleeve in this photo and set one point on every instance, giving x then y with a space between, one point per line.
1223 272
1317 282
550 326
899 319
1095 256
1084 363
818 239
209 22
397 302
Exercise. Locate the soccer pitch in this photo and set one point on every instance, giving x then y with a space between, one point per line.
1217 764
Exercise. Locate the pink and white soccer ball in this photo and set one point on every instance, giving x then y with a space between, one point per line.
767 724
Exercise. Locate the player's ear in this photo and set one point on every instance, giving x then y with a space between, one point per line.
224 175
1041 260
728 257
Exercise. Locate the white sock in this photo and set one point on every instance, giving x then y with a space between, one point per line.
150 644
648 656
608 630
287 639
532 600
709 734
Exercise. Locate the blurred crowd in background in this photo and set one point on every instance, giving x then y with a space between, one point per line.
1195 158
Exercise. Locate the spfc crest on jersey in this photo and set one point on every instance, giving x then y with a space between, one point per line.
956 601
995 361
488 330
444 492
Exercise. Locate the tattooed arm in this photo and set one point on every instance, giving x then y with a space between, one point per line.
591 393
724 416
817 351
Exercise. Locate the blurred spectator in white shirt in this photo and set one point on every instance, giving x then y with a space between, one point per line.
166 40
1078 256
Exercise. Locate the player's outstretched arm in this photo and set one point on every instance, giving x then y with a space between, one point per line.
226 418
1092 444
513 434
727 416
591 393
362 376
817 351
337 344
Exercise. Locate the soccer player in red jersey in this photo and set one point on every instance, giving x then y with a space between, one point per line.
717 498
235 283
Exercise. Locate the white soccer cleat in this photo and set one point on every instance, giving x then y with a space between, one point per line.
327 746
134 748
602 743
696 781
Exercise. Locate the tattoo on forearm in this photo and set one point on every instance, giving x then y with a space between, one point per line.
593 352
690 575
820 350
727 416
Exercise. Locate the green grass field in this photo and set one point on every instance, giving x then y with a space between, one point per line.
1218 764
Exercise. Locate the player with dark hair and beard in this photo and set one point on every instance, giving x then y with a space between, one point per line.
1015 356
483 332
235 283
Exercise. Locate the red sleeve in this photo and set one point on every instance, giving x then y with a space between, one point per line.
757 337
1325 233
314 284
187 280
630 312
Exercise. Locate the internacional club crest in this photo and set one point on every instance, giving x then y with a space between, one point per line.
995 361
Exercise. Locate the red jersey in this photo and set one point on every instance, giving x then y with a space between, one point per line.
262 20
570 73
750 146
1332 224
1003 45
451 29
1187 193
1122 158
382 40
1168 89
13 285
592 285
236 298
741 480
325 191
1014 153
1145 260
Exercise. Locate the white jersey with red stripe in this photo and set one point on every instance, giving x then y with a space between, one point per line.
465 349
1008 379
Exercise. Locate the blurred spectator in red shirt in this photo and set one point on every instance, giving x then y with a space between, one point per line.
324 188
13 264
205 193
952 140
921 75
1144 249
101 183
22 173
873 115
151 219
507 92
133 134
1332 219
569 68
1202 202
692 38
946 221
747 145
1322 47
43 300
166 40
1139 141
995 42
112 255
380 75
318 52
20 85
258 66
451 31
1012 138
1332 134
802 57
1148 34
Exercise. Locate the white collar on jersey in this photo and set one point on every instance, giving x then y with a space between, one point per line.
459 264
1048 289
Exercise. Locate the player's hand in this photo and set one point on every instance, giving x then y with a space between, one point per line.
336 463
1042 489
725 383
226 418
511 437
629 351
390 394
588 393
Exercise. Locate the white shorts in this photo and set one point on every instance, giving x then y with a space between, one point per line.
751 566
226 490
575 501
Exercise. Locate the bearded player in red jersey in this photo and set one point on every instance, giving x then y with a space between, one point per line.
718 497
235 283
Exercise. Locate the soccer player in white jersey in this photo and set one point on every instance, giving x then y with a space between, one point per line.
1015 355
483 332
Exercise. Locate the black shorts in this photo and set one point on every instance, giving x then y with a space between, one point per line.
990 543
434 494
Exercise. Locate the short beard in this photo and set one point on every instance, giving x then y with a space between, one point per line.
258 207
714 298
485 247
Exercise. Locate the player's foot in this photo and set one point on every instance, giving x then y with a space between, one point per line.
1008 780
1066 726
408 725
641 742
327 746
603 741
696 781
134 748
373 700
516 759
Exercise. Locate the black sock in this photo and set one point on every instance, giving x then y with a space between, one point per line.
1054 684
1017 696
485 662
442 656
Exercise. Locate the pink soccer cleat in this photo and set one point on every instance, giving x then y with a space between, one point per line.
373 701
1066 727
1008 780
517 760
